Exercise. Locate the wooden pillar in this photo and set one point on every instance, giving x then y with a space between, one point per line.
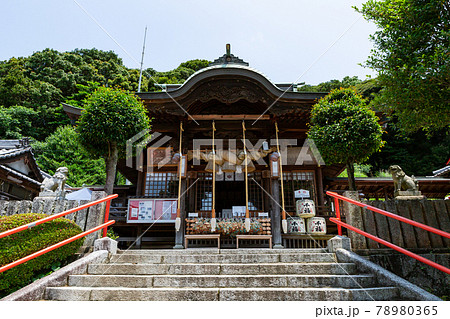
191 194
319 184
266 197
275 217
140 183
179 235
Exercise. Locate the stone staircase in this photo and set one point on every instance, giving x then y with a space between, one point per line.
210 274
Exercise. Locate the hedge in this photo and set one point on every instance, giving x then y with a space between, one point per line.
24 243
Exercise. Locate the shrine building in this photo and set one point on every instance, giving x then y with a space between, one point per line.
228 102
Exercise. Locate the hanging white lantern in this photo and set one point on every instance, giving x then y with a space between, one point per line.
176 157
274 156
284 225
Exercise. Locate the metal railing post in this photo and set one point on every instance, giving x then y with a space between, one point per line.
338 215
108 205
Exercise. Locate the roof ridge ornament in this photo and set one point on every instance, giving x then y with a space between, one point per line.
228 58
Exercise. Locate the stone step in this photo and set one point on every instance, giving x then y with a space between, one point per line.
206 294
225 258
223 269
222 281
203 251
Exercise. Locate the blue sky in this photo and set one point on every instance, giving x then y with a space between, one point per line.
280 38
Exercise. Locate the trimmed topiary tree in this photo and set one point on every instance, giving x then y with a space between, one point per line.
24 243
345 130
110 118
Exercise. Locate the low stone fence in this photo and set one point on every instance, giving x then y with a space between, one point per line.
434 213
86 218
428 278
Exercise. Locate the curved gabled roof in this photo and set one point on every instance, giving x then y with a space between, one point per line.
229 70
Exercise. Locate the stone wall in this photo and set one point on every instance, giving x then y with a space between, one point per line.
434 213
416 272
86 218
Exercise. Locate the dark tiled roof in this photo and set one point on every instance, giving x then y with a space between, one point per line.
8 155
9 144
442 171
11 153
19 174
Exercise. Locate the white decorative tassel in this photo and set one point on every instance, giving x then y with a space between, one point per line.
213 224
284 225
177 223
247 224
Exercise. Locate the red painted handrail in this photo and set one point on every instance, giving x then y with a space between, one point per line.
53 247
386 243
64 213
388 214
381 241
104 226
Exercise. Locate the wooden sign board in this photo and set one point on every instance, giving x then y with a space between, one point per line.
156 210
301 193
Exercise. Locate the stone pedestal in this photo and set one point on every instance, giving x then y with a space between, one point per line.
106 243
338 242
407 195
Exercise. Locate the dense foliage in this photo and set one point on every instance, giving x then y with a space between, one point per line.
412 57
176 76
417 154
345 129
62 148
43 80
109 119
32 89
348 81
22 244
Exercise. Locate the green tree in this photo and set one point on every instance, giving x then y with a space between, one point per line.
195 64
348 81
19 121
412 57
176 76
9 128
79 98
109 119
417 154
62 148
345 130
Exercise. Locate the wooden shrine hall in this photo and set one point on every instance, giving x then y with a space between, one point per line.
197 173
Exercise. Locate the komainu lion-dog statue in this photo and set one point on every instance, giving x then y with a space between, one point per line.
401 180
54 186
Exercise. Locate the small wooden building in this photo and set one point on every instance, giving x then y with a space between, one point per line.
20 176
